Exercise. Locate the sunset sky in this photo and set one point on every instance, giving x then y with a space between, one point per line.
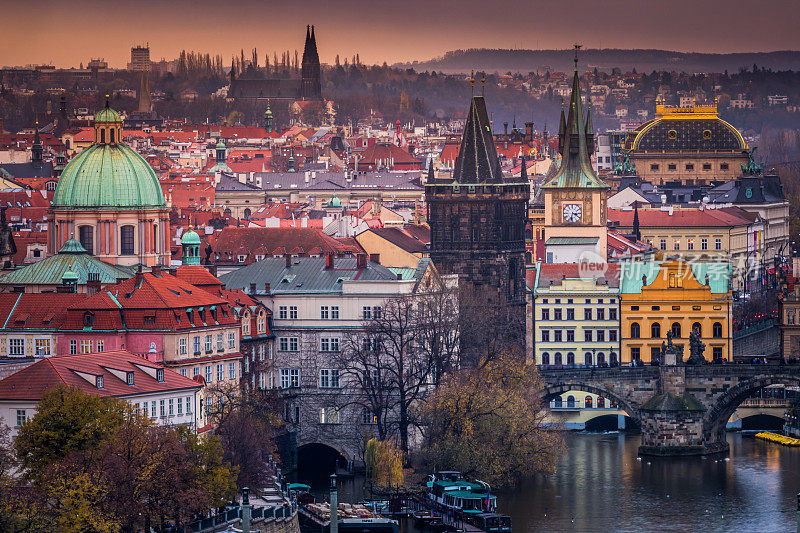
67 33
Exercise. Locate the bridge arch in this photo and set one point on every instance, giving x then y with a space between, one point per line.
322 456
723 406
552 391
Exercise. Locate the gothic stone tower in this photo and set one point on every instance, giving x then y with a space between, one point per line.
311 84
477 216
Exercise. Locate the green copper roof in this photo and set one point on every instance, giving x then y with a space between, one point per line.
108 176
631 274
334 202
576 168
106 115
69 275
190 237
50 271
72 246
221 145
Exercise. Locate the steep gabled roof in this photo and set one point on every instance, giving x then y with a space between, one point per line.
477 160
31 382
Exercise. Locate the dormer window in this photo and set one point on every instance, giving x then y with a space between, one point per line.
88 320
129 378
98 382
160 375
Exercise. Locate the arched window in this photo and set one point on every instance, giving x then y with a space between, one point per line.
676 330
126 240
655 330
716 330
570 358
558 403
247 212
86 236
102 136
545 358
558 359
635 330
698 329
88 319
587 358
528 234
570 401
111 132
227 211
601 402
612 357
588 402
601 358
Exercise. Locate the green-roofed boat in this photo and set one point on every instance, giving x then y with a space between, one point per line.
470 501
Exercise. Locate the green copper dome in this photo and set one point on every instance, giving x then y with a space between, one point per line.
334 202
108 176
69 275
221 145
190 238
106 115
72 246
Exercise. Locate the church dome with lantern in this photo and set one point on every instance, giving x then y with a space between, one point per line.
109 199
108 174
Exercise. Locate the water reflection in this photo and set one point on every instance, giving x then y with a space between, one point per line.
601 485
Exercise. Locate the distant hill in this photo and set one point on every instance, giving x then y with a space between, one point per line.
498 60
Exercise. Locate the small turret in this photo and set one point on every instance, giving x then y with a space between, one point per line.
268 119
190 242
37 150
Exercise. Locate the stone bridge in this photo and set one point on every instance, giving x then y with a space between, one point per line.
682 409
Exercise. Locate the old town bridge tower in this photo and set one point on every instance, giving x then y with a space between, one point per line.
477 216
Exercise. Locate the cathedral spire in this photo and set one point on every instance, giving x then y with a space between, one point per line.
562 130
145 103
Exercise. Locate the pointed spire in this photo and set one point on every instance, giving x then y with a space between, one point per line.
576 165
589 130
37 149
636 232
562 131
431 175
477 160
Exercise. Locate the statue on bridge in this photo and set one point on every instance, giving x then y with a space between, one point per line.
671 353
696 349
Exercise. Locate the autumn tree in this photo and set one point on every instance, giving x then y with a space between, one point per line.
489 422
384 461
67 420
402 349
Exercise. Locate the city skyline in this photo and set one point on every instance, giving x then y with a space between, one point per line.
384 31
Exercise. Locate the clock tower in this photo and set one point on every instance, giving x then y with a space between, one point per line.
575 198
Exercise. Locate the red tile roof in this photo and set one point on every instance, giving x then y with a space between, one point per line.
553 273
655 218
31 382
35 310
199 276
231 242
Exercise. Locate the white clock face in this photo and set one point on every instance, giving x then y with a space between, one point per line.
572 213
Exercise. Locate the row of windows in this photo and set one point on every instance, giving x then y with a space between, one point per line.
676 243
85 346
329 312
326 344
569 335
558 403
209 372
689 166
86 237
655 330
586 300
290 377
261 323
588 313
197 343
165 407
589 358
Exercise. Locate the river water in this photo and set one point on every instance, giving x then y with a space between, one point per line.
601 485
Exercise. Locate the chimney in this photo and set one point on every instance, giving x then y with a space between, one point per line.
213 270
252 288
156 270
529 131
399 277
329 261
93 283
288 258
361 260
307 176
267 287
375 258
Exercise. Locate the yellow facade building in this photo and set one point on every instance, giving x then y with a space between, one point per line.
676 296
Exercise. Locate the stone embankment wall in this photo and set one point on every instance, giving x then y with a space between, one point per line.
764 342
